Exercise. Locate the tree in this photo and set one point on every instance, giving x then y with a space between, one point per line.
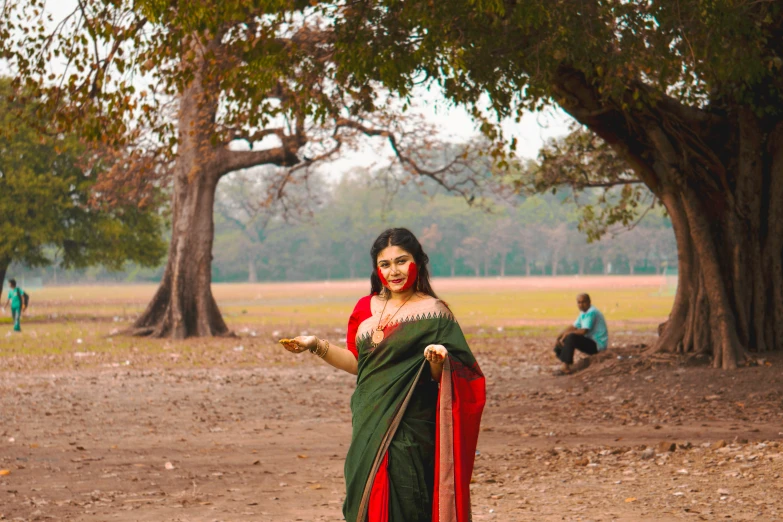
453 219
688 93
502 237
474 252
49 212
247 202
210 88
606 191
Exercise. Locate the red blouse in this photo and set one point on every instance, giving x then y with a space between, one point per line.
360 313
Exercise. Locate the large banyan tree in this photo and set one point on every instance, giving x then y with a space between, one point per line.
187 92
688 92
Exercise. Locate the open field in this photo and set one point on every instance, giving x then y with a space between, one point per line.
89 421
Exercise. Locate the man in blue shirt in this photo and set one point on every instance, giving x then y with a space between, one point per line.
588 334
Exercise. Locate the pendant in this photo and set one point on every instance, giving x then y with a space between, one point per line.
377 337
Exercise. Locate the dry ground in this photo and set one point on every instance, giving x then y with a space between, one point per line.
111 429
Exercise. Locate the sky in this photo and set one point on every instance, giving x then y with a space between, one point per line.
453 123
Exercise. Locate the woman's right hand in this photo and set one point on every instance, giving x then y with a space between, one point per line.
300 344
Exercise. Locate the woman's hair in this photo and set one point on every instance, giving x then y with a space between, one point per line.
403 238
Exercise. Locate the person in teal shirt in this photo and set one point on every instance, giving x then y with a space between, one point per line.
588 334
15 299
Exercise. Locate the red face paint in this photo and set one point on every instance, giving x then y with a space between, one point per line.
413 274
384 282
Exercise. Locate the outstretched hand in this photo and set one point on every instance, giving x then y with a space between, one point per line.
300 344
436 353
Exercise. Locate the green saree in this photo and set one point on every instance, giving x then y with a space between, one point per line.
414 439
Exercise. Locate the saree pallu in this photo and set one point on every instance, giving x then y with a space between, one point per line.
414 440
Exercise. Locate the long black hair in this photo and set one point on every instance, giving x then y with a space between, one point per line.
403 238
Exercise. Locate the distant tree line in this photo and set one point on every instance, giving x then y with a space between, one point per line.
328 235
535 235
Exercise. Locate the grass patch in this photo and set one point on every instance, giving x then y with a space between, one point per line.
72 325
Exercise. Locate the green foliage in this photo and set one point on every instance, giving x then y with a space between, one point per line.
124 61
688 66
535 233
634 52
606 191
45 200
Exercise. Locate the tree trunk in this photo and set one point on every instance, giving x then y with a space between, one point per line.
720 176
527 268
581 264
183 305
503 265
4 264
252 276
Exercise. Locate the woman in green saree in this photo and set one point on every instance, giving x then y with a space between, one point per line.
419 394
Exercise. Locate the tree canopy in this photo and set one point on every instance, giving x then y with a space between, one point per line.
46 200
190 92
522 54
689 93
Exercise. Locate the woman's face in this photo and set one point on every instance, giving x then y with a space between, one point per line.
394 265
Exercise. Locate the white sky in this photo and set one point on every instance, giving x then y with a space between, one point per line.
454 123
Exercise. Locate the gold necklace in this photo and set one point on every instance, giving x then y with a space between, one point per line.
378 335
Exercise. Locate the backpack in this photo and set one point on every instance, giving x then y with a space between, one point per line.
24 296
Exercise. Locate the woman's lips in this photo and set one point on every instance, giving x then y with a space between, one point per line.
397 281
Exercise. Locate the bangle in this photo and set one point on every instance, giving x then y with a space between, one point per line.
317 350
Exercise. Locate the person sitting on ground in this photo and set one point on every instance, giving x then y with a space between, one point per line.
588 334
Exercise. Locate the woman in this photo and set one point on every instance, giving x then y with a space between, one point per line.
418 399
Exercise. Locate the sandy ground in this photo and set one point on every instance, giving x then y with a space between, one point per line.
267 442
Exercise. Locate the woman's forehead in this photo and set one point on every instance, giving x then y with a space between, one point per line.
391 252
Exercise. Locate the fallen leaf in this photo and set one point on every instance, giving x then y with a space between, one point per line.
4 472
630 499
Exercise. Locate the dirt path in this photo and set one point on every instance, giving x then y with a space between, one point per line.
268 443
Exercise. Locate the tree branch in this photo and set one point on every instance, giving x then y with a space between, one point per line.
233 160
408 162
253 137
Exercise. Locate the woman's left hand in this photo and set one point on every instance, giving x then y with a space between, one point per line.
435 353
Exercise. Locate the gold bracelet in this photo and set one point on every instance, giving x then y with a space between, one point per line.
317 348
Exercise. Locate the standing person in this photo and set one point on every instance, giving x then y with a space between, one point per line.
588 334
15 298
419 394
